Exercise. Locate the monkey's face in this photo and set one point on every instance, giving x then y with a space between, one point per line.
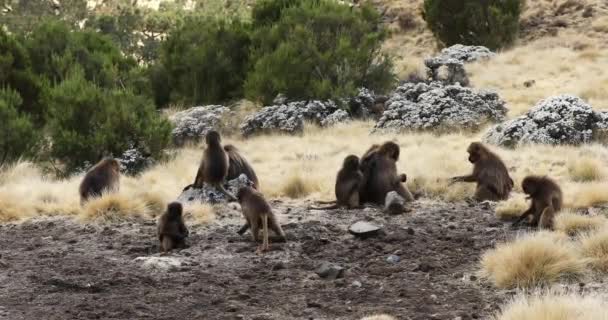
212 137
391 150
351 162
174 210
243 192
115 165
528 186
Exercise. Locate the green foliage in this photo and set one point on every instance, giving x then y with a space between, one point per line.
316 49
88 122
16 73
26 14
55 49
266 12
205 61
491 23
17 135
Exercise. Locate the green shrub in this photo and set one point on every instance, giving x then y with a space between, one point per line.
317 49
267 12
491 23
54 49
16 73
205 60
88 122
17 135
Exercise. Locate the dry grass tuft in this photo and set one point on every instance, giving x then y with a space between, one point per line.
573 224
296 187
114 207
512 208
595 247
379 317
199 212
533 259
554 306
586 169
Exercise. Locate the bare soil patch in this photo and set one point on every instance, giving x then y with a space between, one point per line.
57 268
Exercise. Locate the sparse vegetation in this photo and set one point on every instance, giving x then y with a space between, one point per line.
595 247
114 207
531 260
586 169
493 23
573 224
553 306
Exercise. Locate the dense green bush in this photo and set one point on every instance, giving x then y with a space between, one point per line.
316 49
54 49
205 61
491 23
267 12
88 122
17 135
16 73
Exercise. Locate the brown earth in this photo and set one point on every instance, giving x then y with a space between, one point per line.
58 268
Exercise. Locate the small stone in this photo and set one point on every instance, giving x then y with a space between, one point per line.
394 204
424 267
313 304
393 258
330 271
473 278
278 266
410 231
363 229
356 284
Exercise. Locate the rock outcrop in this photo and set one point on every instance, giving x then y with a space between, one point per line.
194 123
563 119
209 194
435 107
453 59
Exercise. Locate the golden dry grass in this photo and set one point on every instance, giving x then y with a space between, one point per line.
554 306
306 166
114 207
586 169
542 61
532 259
512 208
595 247
573 224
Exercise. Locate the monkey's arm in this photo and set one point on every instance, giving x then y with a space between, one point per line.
243 229
524 215
467 178
183 230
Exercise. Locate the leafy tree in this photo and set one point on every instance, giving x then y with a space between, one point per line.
54 49
491 23
17 134
205 61
88 122
316 49
16 73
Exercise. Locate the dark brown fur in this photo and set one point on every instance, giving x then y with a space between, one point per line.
214 166
546 198
172 231
348 184
239 165
379 167
103 177
489 172
258 213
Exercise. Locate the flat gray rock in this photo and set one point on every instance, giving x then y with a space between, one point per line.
363 229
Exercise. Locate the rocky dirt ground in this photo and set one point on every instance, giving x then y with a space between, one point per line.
420 266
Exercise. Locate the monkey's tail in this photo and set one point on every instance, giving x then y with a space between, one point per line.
335 206
265 244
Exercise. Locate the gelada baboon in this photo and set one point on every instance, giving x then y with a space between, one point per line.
379 168
102 177
489 172
258 213
172 231
239 165
214 166
348 183
546 198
